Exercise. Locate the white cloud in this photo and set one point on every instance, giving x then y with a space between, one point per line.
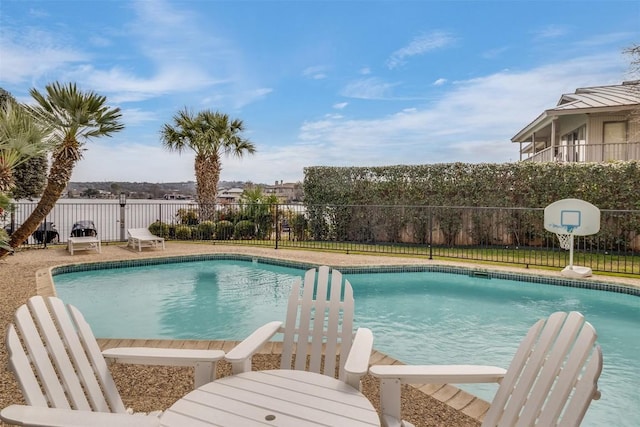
33 54
125 161
160 35
494 53
440 82
420 45
365 71
134 116
105 160
334 116
234 98
317 72
340 105
368 88
551 32
100 41
38 13
128 87
473 122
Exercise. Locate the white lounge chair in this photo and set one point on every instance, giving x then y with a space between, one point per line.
551 381
142 238
64 376
313 327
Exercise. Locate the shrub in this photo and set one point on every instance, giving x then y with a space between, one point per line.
183 232
4 240
188 216
224 230
244 230
206 229
298 224
160 229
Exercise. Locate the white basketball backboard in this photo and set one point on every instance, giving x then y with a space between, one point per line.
572 216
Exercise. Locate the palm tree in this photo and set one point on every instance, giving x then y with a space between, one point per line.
74 116
21 138
210 135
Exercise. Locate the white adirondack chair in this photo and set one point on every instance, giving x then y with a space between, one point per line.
313 327
551 381
64 376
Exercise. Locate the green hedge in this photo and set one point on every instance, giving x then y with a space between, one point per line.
387 204
614 185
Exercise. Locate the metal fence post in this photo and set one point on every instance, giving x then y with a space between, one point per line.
430 233
277 226
123 202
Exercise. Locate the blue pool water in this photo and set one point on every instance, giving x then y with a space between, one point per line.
418 317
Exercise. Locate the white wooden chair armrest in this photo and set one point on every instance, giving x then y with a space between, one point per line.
439 374
240 355
392 376
204 361
357 363
23 415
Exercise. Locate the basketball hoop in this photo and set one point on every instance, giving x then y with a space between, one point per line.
565 241
567 218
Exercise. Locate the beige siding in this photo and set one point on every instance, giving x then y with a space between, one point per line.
596 126
571 123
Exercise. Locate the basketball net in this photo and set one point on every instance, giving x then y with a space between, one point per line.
565 241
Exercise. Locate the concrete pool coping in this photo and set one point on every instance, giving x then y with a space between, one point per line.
452 396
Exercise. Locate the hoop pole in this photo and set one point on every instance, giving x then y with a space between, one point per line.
571 251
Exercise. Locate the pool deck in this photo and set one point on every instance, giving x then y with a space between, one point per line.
27 273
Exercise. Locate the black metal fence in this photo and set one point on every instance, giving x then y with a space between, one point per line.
487 234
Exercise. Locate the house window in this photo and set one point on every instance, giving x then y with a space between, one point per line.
615 132
614 140
573 145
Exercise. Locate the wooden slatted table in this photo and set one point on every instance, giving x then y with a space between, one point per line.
273 398
88 243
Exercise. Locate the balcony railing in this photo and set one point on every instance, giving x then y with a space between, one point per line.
588 153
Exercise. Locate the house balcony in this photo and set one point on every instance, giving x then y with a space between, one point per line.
582 153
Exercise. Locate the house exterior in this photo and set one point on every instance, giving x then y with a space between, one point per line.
229 196
594 124
284 191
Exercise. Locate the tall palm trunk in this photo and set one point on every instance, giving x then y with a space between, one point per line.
207 170
59 177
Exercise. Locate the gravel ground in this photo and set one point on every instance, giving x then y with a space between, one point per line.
153 388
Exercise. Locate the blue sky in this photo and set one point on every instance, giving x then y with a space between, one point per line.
317 83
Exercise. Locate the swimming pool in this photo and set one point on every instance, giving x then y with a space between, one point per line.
416 316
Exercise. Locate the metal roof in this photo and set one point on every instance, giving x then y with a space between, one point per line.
585 100
625 94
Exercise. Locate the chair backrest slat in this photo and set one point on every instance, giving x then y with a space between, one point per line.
53 335
319 322
346 333
95 370
332 329
571 372
21 367
40 358
304 325
493 415
544 373
69 371
319 313
560 369
586 390
290 326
